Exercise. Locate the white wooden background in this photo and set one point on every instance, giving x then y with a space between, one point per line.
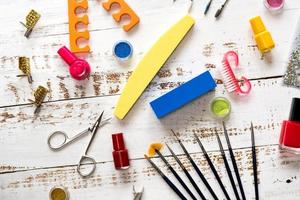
28 168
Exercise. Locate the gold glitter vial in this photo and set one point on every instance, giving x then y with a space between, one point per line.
58 193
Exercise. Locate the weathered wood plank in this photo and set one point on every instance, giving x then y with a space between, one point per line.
24 137
28 169
277 178
199 51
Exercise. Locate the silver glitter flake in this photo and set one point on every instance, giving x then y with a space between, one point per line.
291 76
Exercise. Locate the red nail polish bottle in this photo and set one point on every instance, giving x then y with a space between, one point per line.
290 130
120 153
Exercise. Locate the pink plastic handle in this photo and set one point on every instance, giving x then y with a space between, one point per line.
231 59
79 69
247 86
67 55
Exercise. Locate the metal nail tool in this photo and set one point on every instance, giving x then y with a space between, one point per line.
24 66
137 195
85 158
31 19
39 96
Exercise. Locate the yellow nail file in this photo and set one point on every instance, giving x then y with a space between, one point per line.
150 65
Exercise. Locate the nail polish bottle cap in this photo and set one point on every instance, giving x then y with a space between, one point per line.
295 110
67 55
118 141
79 69
262 36
257 25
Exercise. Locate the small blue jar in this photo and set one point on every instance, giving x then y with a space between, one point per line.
122 50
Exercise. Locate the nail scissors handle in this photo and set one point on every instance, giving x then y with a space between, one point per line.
66 140
85 159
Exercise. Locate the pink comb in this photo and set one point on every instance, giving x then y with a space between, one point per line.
229 79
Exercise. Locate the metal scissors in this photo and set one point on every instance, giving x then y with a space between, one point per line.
137 195
66 141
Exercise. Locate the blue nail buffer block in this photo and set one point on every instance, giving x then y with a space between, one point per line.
183 94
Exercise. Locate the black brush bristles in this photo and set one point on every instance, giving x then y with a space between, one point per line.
207 7
186 173
166 179
236 169
212 167
176 175
236 193
254 163
195 167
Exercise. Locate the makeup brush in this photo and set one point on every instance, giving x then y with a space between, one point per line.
196 167
186 173
176 175
236 169
227 167
166 179
220 10
212 167
254 163
207 7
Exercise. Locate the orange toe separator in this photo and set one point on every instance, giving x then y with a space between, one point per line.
73 21
124 10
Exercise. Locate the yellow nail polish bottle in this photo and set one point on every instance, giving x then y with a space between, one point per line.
262 36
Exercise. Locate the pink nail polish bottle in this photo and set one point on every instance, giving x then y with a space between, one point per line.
79 69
